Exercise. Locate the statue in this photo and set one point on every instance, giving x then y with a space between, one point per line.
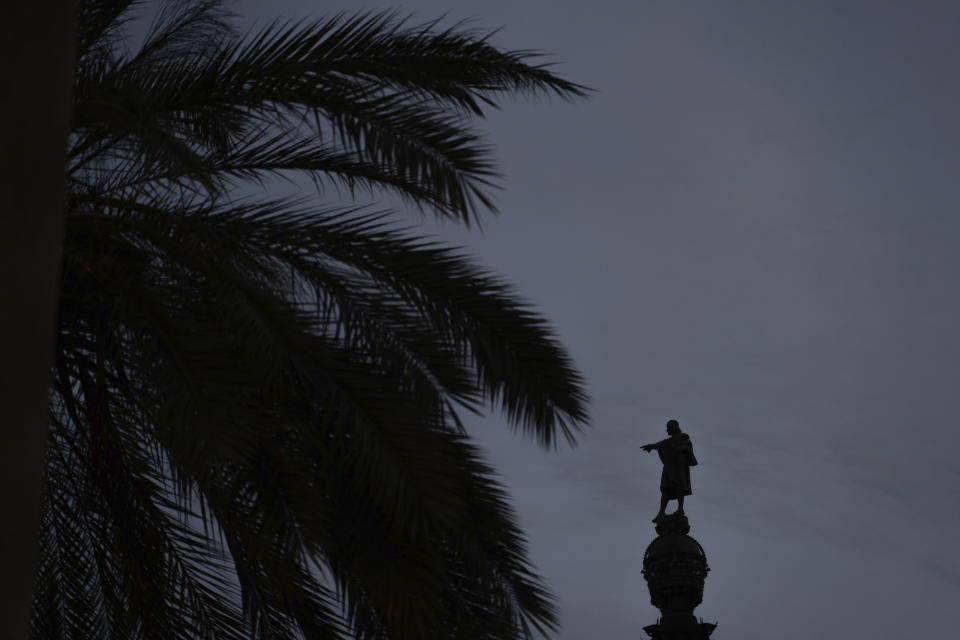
676 454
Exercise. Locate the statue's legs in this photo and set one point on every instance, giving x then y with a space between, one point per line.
663 506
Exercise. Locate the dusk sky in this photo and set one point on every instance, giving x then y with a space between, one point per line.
751 227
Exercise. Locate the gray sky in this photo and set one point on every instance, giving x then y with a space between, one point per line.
751 228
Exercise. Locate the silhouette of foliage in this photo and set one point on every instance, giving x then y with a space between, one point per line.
254 424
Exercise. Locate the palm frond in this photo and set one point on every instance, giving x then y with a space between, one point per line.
255 425
99 26
377 91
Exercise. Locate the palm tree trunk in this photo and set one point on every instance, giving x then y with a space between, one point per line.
36 65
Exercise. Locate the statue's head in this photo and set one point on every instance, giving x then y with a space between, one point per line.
673 427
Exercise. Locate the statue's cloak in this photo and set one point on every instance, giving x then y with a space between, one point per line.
676 454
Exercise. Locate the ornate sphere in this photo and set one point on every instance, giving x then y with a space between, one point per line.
675 568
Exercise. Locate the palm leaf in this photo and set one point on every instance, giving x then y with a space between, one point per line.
254 414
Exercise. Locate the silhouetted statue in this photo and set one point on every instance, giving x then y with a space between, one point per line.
676 453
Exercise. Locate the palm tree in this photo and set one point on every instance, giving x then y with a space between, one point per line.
254 413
